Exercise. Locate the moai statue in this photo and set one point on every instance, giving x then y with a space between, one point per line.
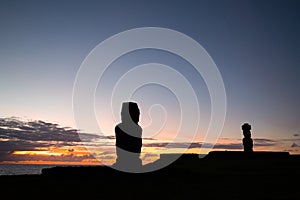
129 138
247 140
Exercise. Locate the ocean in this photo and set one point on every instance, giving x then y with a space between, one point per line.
22 169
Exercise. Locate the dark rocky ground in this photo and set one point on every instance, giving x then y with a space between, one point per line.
220 175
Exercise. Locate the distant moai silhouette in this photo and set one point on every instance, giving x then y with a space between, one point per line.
247 140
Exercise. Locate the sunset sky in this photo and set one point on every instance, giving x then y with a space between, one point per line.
255 45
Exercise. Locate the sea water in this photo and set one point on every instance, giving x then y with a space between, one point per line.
22 169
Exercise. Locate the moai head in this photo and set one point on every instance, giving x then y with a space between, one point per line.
130 112
246 130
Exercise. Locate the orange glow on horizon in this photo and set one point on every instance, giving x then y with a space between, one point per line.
43 162
40 153
105 155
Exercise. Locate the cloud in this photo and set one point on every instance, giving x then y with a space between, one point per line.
262 142
18 135
15 130
231 145
170 144
294 145
194 145
34 136
53 158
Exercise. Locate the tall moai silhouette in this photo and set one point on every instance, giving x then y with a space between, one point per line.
247 140
129 138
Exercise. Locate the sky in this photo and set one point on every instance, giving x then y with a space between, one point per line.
254 44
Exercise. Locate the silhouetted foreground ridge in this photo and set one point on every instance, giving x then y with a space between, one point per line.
219 175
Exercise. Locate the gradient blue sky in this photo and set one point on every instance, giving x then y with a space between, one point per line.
255 45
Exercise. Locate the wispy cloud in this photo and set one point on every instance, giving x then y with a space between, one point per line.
12 129
263 142
231 144
18 135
